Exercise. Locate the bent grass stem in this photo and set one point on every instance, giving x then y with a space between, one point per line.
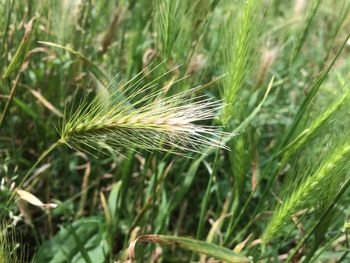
29 172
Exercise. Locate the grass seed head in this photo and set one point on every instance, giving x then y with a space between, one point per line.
142 120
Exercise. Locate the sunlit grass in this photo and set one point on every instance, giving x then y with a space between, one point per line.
213 129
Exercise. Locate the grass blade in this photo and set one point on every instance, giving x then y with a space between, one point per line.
315 87
22 50
193 245
93 68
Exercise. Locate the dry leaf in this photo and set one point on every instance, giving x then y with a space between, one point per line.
32 199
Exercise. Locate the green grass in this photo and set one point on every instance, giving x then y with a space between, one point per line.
174 131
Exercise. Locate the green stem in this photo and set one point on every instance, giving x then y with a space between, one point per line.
312 260
347 248
154 198
206 198
41 157
205 202
8 102
6 30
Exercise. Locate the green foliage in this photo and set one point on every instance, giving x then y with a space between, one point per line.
193 245
224 134
83 241
10 251
309 193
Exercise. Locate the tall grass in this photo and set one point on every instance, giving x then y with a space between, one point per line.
10 250
174 131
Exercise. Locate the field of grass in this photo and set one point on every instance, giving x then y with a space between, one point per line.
174 131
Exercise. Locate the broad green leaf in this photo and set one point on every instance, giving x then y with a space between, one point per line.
194 245
65 248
